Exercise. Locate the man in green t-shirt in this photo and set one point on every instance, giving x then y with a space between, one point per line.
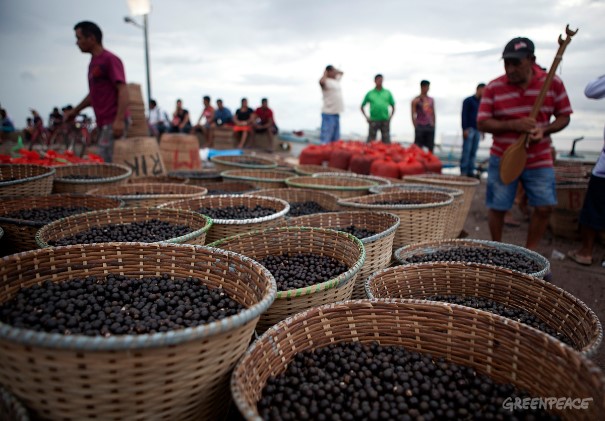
379 99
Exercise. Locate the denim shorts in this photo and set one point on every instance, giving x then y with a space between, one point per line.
539 185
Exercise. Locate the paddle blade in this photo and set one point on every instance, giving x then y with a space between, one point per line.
513 162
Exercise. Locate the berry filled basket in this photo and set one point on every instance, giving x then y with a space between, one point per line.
340 186
194 225
198 177
297 197
309 169
81 178
381 181
171 179
451 230
25 180
229 187
230 222
20 229
150 194
242 162
424 215
555 308
340 246
179 374
10 408
506 351
262 179
378 246
505 255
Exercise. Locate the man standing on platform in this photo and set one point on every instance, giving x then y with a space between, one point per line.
380 100
470 135
332 104
423 117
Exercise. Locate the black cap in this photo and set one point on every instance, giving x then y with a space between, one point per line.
518 48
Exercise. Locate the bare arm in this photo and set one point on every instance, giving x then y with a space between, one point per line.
118 124
524 125
414 102
363 111
392 112
70 114
322 81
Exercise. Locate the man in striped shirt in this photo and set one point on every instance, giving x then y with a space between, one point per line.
504 111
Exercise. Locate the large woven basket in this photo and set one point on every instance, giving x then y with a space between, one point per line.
250 162
222 228
403 254
378 247
106 175
341 187
455 222
150 194
198 177
507 351
229 187
308 169
20 234
262 179
381 181
467 184
326 200
66 227
555 307
422 222
276 241
173 179
25 180
176 375
10 408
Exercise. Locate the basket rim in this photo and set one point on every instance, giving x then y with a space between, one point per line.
237 221
300 167
543 261
370 177
417 187
112 179
15 404
183 238
195 174
145 341
378 236
203 192
230 175
50 171
590 350
292 182
445 179
220 159
341 279
349 202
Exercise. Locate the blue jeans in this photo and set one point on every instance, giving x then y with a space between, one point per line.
470 144
330 128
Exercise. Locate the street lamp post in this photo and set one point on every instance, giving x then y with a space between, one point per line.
142 7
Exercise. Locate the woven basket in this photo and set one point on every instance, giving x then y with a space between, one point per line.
456 220
10 408
108 175
555 307
222 228
150 194
423 222
177 375
326 200
249 162
66 227
314 169
404 253
276 241
262 179
159 179
342 187
229 187
21 233
29 180
467 184
199 177
381 181
379 247
507 351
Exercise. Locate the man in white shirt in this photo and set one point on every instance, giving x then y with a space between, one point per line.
158 119
332 104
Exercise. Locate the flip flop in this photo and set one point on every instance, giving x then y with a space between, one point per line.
509 222
581 260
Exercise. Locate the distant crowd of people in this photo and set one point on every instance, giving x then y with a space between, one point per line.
245 122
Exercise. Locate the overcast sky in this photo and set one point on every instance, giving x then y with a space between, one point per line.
279 48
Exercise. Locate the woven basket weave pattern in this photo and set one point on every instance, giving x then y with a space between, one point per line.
262 179
182 374
381 181
378 247
341 186
292 195
107 175
555 307
10 408
506 351
314 169
231 162
30 180
150 194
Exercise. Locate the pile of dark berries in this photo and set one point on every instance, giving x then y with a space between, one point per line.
7 179
81 177
196 174
251 161
356 231
305 208
117 305
149 231
237 212
516 314
491 256
299 270
48 214
398 202
354 381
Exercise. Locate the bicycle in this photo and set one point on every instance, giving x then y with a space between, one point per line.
76 136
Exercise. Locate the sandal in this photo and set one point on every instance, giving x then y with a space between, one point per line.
510 222
581 260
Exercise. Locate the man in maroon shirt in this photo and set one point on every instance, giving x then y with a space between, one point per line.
504 111
265 122
107 95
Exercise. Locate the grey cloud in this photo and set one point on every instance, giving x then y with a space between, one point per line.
267 80
27 76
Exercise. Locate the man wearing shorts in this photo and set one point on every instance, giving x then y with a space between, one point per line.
504 111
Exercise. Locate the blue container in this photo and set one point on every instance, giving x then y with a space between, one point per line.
224 152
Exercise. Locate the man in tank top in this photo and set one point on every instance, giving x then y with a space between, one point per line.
423 117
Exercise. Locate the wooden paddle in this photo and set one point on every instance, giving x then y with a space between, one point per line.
514 158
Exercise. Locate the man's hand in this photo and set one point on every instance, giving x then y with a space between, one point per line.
117 128
523 125
465 133
536 135
69 115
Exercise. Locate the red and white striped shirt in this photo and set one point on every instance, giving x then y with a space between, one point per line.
504 101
